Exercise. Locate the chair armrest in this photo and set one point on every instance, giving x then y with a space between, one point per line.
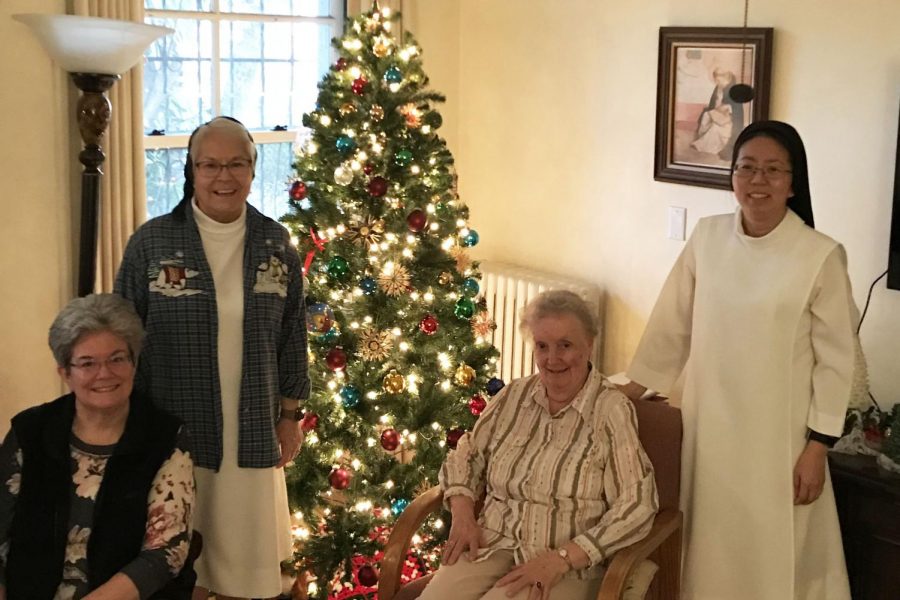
665 525
397 546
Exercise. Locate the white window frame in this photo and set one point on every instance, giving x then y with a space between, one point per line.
216 16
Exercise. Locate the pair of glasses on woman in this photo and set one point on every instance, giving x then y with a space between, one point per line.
210 168
117 363
770 172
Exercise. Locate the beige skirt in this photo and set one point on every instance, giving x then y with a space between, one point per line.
244 518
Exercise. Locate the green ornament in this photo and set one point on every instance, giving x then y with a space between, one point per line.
464 308
434 119
338 268
403 157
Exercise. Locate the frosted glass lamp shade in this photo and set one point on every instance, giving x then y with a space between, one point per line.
92 44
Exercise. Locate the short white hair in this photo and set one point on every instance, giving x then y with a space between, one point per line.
559 302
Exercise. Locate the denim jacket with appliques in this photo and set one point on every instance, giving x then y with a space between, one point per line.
166 274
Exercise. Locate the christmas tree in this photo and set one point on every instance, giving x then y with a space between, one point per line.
400 357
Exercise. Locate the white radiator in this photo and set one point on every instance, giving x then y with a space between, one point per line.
507 289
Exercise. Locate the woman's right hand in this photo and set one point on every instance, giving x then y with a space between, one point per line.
465 534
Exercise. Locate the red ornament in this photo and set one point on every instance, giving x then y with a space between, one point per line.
298 190
428 325
367 575
390 439
378 186
368 168
336 359
339 479
417 220
477 404
310 421
453 437
359 85
341 64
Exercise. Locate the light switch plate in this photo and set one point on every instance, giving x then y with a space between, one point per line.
677 221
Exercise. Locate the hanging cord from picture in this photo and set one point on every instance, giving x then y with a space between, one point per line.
862 318
741 92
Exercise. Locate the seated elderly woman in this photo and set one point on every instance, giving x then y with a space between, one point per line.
96 487
564 478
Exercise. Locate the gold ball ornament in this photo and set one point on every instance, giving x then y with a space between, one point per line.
394 382
376 112
380 49
464 375
445 278
347 108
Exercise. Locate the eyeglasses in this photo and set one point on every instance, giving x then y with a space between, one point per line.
117 363
770 172
210 168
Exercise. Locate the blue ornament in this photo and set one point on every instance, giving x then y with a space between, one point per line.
470 239
368 285
350 395
319 318
393 75
398 504
344 144
494 385
470 287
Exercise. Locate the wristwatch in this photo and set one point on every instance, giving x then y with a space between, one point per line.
294 415
565 556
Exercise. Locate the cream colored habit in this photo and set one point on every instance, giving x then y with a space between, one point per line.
770 355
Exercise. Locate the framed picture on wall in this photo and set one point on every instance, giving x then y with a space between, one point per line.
697 120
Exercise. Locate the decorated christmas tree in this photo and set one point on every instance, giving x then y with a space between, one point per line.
400 357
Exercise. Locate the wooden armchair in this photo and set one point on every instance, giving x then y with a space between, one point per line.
659 428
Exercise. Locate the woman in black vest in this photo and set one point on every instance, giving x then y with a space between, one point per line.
96 487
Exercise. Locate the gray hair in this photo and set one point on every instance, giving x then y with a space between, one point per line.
93 314
222 123
559 302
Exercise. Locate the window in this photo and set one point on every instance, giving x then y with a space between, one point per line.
256 60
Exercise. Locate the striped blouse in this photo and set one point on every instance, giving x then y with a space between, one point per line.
579 475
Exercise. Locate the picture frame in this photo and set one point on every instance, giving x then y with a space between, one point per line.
696 119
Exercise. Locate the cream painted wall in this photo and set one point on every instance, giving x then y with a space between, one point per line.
555 125
35 232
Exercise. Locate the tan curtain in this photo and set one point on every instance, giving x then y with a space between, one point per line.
123 191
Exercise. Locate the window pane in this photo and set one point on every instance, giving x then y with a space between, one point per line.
299 8
269 192
273 172
165 179
242 92
178 4
177 77
313 52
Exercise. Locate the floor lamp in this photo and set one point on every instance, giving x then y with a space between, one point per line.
95 52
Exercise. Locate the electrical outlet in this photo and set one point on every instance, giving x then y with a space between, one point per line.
677 221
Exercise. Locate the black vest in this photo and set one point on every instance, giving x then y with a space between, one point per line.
39 529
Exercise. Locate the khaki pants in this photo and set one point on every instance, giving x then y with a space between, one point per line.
475 581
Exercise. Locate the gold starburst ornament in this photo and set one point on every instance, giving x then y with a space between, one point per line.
374 344
365 232
394 281
463 260
482 324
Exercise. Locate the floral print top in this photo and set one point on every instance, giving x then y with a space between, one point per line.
169 505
